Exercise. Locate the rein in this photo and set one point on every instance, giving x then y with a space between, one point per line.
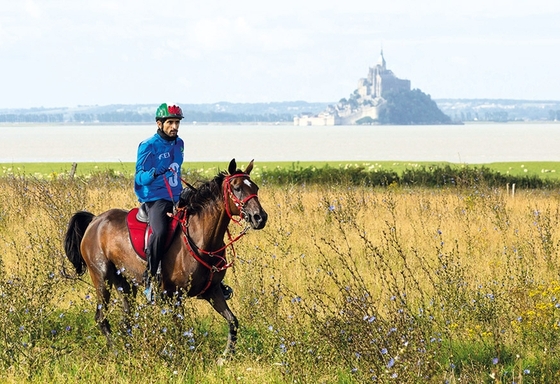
182 216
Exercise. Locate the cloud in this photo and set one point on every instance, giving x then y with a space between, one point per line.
65 51
460 8
32 9
219 33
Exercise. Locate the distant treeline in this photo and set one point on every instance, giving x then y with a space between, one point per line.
38 118
500 110
413 107
135 117
434 176
426 176
500 116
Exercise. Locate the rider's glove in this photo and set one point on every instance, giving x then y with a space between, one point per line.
162 167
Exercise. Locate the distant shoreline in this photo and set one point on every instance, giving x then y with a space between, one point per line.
35 124
460 109
70 123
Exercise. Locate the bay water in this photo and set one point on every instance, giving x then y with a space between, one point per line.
473 143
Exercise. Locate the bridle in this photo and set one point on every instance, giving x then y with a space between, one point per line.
220 254
238 202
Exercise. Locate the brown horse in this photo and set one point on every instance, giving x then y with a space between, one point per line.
195 262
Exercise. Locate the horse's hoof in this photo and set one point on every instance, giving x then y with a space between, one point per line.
221 361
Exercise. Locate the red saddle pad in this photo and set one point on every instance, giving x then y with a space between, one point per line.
140 233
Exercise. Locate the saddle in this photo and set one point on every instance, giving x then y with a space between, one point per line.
140 231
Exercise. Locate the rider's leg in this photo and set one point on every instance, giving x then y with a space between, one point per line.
159 221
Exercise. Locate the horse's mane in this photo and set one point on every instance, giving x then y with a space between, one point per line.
196 197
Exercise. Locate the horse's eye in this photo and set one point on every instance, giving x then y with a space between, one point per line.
237 188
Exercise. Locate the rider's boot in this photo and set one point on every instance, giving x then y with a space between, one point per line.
148 292
148 277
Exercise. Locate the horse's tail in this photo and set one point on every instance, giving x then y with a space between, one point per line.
74 235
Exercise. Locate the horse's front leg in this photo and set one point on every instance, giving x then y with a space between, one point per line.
216 298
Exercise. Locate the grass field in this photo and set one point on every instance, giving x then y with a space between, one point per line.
547 170
345 284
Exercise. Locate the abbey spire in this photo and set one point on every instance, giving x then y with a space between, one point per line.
381 62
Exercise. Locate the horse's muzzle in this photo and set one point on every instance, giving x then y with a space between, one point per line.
256 220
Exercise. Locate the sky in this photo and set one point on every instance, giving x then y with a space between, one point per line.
61 53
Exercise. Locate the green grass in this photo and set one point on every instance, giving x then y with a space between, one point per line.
544 169
345 284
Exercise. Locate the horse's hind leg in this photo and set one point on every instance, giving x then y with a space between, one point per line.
126 290
103 297
103 287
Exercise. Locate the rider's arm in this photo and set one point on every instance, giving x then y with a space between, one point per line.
145 172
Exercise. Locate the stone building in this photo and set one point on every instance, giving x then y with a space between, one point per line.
380 80
366 101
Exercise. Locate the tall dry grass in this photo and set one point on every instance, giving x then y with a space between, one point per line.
345 284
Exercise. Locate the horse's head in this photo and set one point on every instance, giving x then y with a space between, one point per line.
241 195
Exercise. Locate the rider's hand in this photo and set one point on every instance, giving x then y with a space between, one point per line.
162 167
146 178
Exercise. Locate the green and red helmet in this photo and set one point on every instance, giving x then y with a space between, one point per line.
169 111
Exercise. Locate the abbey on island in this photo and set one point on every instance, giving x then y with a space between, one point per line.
366 101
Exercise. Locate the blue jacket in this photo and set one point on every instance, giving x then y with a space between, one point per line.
157 153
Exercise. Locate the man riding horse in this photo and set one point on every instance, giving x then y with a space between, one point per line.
157 185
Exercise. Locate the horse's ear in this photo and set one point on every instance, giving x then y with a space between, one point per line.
232 167
249 167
